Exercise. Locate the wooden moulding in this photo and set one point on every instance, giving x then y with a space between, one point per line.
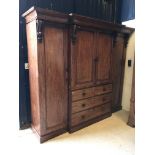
99 24
54 16
44 14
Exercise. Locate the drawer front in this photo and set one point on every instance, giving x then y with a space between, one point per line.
91 102
90 92
81 94
103 89
83 116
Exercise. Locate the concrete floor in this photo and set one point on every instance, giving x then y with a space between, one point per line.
110 137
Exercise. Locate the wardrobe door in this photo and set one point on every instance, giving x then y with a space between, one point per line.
82 55
54 58
103 58
118 62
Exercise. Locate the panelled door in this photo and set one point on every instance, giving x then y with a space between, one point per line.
54 67
82 59
103 58
91 59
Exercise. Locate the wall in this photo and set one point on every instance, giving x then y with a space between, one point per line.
128 70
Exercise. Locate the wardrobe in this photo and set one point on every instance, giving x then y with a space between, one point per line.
76 67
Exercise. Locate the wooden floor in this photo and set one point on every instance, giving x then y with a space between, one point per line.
109 137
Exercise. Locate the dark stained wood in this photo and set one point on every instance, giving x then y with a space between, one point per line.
90 92
86 115
48 77
76 67
118 63
99 24
82 94
55 82
102 89
89 122
82 60
90 102
103 62
33 74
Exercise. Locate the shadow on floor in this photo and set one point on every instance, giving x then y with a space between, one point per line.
122 115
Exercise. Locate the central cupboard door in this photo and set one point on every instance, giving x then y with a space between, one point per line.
82 57
103 58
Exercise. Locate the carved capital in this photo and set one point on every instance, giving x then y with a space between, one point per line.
126 39
114 39
40 24
74 33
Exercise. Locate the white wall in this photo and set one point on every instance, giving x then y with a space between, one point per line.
128 70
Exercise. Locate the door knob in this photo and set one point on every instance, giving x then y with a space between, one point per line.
83 94
83 105
96 59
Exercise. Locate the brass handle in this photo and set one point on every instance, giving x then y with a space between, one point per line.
96 59
83 117
104 89
83 93
103 99
83 105
103 108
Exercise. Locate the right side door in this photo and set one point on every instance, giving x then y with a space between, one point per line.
103 58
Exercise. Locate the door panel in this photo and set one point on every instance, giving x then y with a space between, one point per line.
55 82
117 72
82 60
104 44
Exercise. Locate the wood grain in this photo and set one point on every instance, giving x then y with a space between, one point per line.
90 102
70 71
82 60
55 82
86 115
33 74
90 92
104 47
117 71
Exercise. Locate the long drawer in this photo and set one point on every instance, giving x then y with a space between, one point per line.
81 105
90 92
86 115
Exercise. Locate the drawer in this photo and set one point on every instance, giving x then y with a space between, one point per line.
86 115
103 89
91 102
90 92
81 94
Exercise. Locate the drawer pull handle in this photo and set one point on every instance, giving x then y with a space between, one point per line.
103 108
83 105
83 94
103 99
83 117
104 89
